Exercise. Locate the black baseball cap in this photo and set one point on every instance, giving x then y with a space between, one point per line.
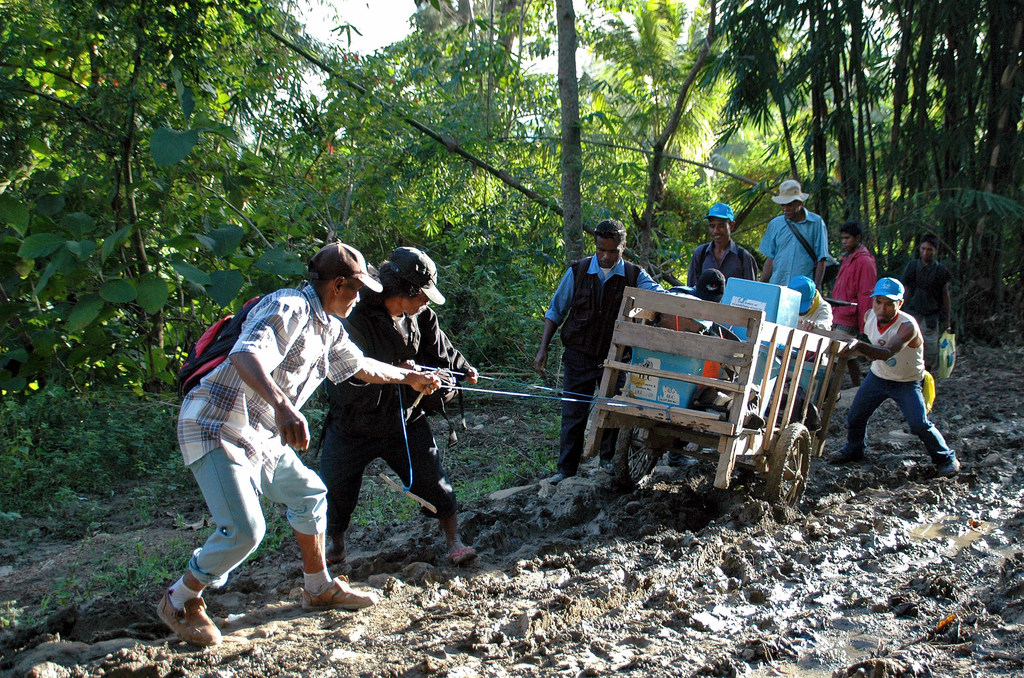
415 267
710 285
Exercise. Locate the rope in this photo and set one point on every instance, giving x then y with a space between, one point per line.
405 435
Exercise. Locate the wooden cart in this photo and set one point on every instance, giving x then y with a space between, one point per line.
758 418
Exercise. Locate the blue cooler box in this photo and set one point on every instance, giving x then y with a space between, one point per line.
660 389
781 305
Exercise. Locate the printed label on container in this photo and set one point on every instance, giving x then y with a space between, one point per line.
642 386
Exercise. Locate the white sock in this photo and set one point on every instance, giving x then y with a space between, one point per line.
317 582
181 594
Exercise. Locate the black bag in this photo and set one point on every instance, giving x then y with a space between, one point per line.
831 265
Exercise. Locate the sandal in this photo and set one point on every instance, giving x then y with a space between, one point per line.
461 555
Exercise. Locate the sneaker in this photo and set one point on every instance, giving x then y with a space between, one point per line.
191 624
557 478
845 456
948 468
608 466
339 595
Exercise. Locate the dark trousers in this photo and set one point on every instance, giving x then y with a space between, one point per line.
581 376
346 456
873 392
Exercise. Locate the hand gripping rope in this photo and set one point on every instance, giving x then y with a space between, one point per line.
560 395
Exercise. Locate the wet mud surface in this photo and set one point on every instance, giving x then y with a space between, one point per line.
882 570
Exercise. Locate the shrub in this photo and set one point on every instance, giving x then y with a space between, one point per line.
56 444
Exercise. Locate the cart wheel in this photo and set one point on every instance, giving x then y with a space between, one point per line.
633 459
788 465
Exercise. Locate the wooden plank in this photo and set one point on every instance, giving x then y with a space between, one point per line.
793 380
680 376
702 421
772 417
673 304
728 449
686 344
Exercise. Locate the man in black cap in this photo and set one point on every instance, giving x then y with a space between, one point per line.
240 427
369 421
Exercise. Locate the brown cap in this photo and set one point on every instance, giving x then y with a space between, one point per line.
340 260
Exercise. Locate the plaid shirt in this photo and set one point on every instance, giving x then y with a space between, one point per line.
299 345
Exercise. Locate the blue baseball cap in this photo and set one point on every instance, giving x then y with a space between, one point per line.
805 286
722 211
890 288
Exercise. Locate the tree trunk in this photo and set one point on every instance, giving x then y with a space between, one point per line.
819 113
1005 40
572 151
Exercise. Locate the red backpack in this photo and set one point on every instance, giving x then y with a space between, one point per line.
212 348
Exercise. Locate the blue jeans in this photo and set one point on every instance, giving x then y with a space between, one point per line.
873 392
234 502
581 375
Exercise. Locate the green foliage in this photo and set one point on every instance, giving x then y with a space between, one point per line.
165 162
67 451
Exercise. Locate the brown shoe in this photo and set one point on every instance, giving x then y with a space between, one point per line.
191 624
338 595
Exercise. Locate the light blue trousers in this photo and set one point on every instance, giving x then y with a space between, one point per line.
234 502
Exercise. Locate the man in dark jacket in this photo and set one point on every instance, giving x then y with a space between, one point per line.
367 421
928 299
588 300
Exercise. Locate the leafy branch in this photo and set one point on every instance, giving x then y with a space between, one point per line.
446 140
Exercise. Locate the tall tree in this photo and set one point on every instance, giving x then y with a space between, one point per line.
572 152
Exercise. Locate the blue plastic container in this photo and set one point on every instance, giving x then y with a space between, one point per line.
780 304
661 389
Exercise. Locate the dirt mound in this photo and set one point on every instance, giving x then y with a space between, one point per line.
883 569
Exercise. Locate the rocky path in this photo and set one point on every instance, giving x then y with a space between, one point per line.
883 569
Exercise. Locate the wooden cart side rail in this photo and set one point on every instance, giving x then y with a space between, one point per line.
829 395
673 304
630 368
772 419
686 344
792 348
679 416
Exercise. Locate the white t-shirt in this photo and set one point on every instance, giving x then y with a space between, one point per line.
908 364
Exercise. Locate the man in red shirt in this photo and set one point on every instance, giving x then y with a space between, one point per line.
855 282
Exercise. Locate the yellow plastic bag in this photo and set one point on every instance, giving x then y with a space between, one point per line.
928 391
947 355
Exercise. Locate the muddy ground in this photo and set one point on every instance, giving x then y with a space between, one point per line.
882 569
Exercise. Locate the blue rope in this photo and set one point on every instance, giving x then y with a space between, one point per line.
405 436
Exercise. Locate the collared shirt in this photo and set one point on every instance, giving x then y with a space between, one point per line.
790 259
925 285
737 263
562 301
298 345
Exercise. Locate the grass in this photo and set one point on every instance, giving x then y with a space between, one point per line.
119 472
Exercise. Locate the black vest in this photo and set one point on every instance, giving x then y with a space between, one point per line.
591 320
